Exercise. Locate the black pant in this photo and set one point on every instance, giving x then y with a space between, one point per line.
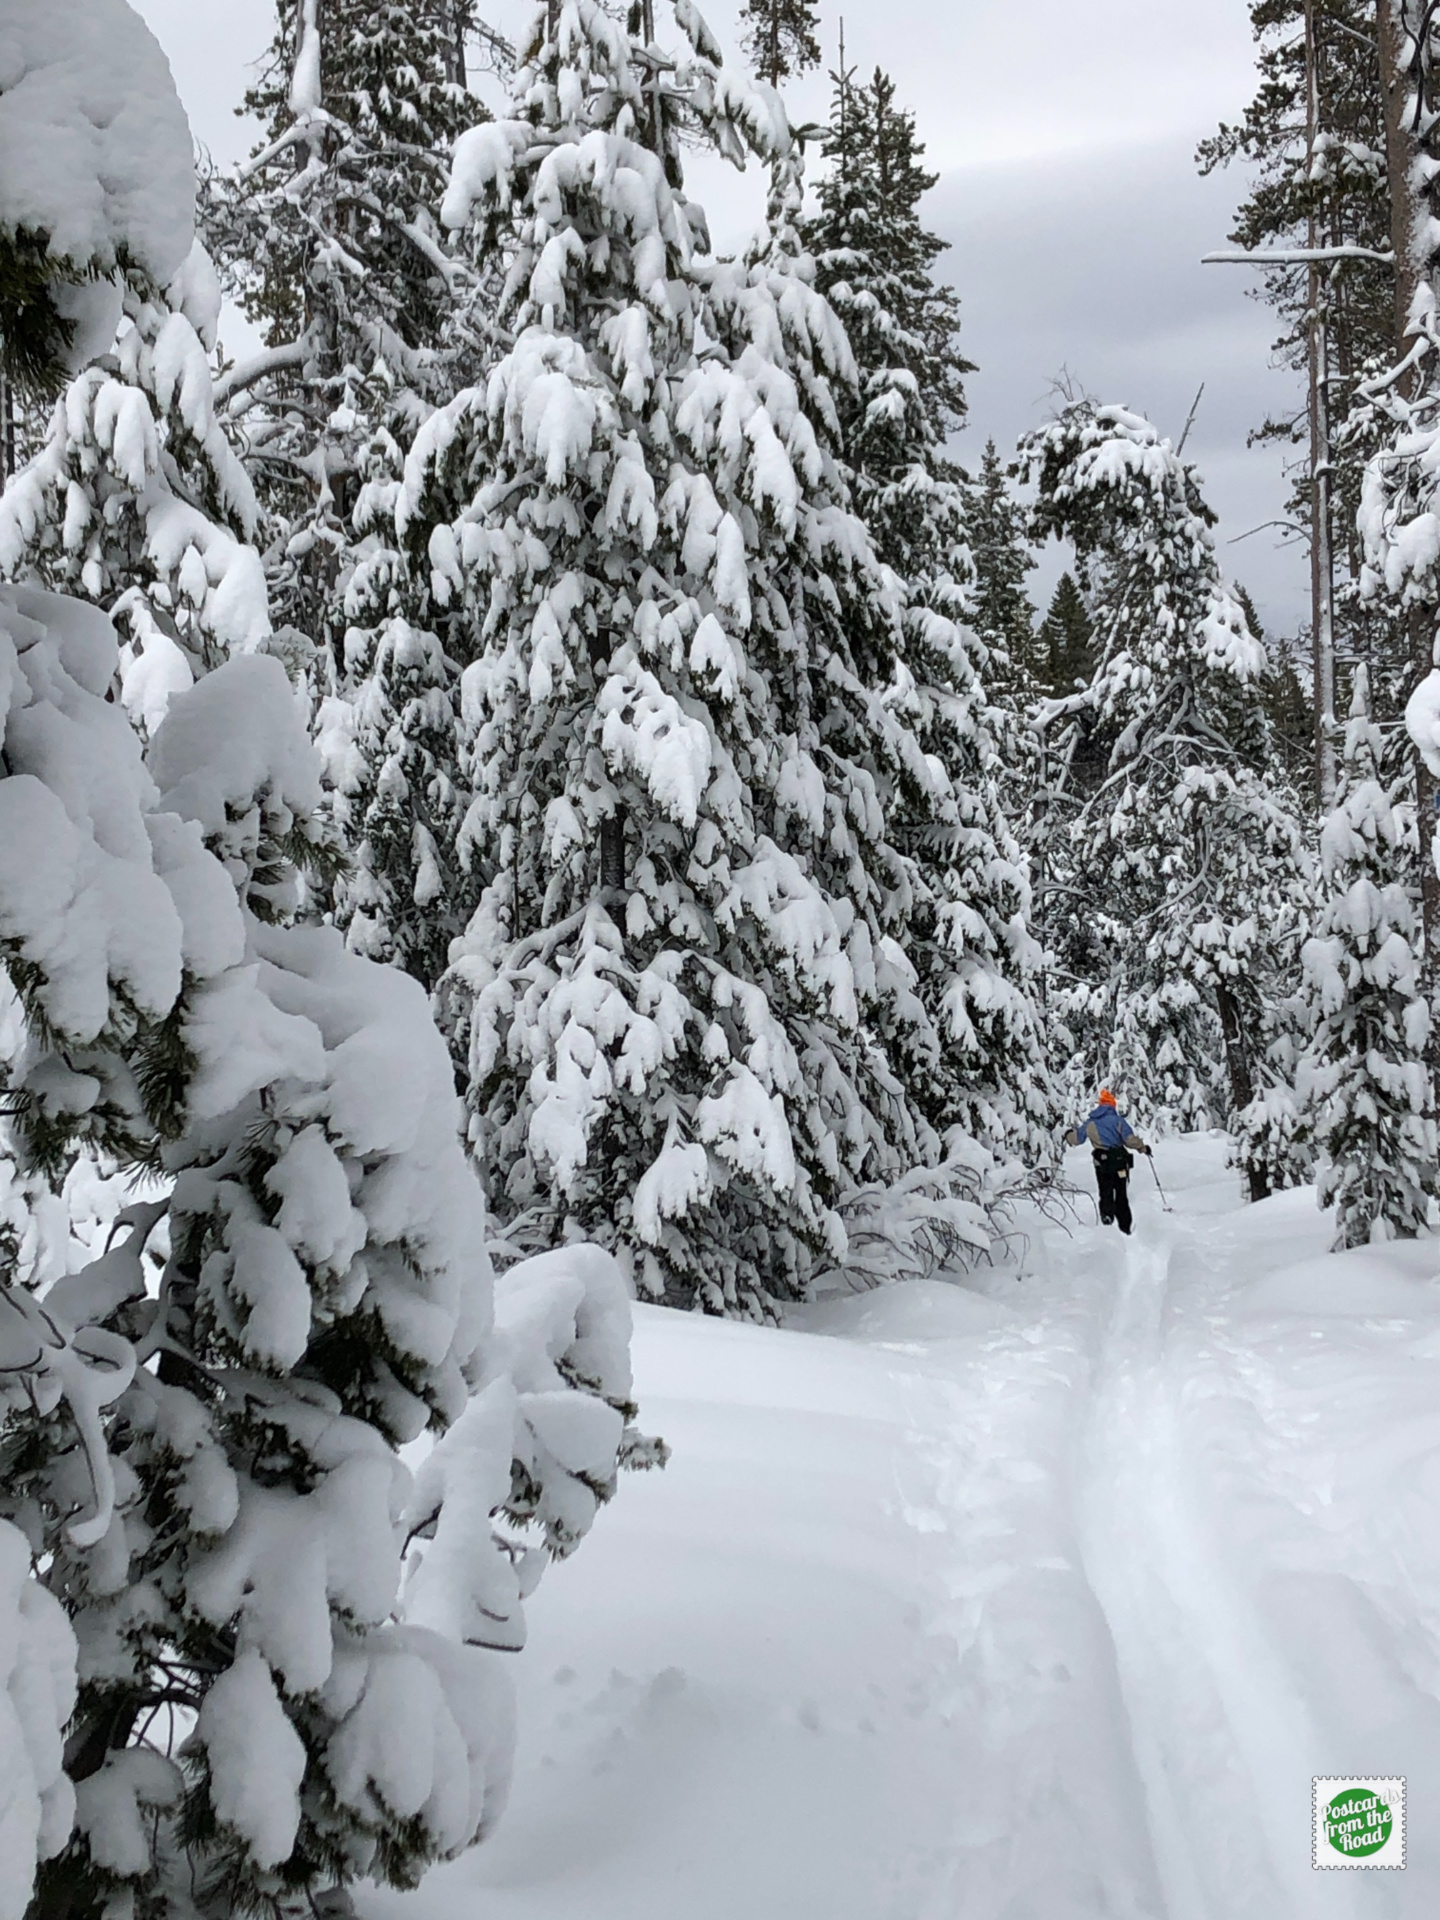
1112 1171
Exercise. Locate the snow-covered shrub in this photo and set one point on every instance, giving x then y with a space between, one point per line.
930 1220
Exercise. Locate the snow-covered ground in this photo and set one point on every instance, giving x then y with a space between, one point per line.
1037 1597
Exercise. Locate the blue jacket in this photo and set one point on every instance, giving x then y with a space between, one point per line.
1113 1128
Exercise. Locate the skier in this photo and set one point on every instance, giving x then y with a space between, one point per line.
1113 1140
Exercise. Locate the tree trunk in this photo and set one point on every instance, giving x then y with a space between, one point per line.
458 74
7 427
1407 162
1242 1080
612 857
1322 555
1322 559
1401 152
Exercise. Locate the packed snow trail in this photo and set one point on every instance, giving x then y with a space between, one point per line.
1219 1737
1034 1598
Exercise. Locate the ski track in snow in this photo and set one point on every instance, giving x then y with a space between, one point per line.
1005 1602
1166 1770
1219 1738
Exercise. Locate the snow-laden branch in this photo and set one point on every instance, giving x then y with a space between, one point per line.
244 375
305 83
1298 257
442 263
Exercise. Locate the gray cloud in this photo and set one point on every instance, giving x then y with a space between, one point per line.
1092 264
1069 197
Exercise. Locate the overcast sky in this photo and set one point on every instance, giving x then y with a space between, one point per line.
1064 135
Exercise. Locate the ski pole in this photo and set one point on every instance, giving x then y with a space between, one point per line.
1165 1204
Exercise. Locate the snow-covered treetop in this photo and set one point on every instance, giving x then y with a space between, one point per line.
577 75
1108 481
95 149
1362 818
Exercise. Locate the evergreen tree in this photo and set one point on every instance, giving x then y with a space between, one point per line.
780 37
1000 609
1364 1079
231 1524
391 740
1181 876
359 101
968 929
331 241
873 261
1065 644
201 1492
690 1024
1287 701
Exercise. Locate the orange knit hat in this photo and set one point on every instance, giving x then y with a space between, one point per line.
1107 1099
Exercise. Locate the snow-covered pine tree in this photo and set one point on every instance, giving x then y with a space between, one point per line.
208 1475
200 1466
968 931
1177 882
968 934
1001 611
1287 700
1312 146
690 1024
136 500
97 152
330 240
1364 1082
390 735
873 261
1002 617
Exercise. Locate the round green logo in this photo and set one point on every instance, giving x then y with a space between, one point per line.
1357 1823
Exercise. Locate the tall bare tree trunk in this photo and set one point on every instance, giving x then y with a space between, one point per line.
1408 161
1322 556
